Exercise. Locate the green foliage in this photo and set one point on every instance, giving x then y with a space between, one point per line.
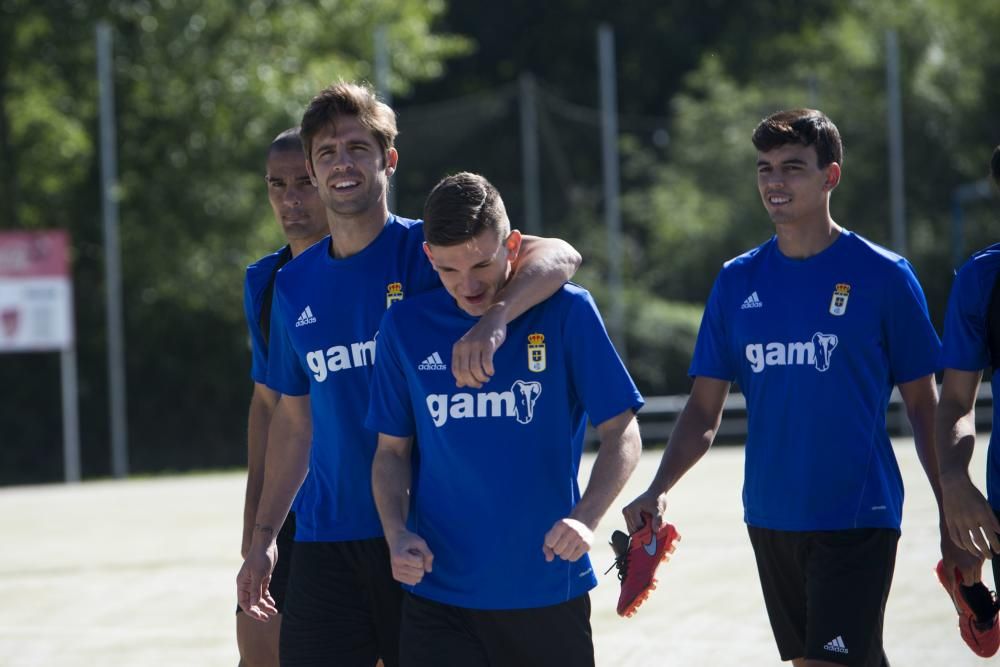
201 87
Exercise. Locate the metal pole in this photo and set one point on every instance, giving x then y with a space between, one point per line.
895 123
609 157
382 69
531 175
112 254
71 414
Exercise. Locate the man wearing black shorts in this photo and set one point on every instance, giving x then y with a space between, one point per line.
817 325
302 217
489 532
972 343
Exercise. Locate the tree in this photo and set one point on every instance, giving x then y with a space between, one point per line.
201 87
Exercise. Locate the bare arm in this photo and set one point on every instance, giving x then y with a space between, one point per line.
617 458
541 268
970 520
921 401
285 467
692 436
262 404
391 475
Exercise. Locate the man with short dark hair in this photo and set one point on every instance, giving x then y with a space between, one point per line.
489 532
971 343
299 211
343 605
816 325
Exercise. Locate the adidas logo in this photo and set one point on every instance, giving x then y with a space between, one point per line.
836 645
305 318
432 363
752 301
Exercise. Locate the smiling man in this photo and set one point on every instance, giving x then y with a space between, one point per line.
343 606
489 532
816 325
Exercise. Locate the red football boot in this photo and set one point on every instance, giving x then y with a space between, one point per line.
980 631
637 557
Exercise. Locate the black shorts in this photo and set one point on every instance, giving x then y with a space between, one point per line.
442 635
279 578
825 591
342 607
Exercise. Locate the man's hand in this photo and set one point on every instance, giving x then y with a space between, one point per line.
410 557
653 504
569 539
970 567
252 583
472 355
972 524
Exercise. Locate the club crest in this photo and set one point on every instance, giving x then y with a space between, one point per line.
393 293
536 352
838 304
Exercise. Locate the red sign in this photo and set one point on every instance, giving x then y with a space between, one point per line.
36 296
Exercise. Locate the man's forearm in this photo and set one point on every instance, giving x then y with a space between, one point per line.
616 460
391 476
956 439
543 266
691 438
285 467
258 422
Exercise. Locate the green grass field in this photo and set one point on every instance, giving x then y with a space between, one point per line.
143 573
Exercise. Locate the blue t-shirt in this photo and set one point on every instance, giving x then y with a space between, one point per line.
816 346
324 319
965 343
498 465
258 280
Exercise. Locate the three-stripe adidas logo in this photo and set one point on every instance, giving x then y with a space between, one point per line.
432 363
752 301
836 645
305 318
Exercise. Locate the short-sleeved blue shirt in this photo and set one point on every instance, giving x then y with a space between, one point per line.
816 345
965 340
259 276
324 319
498 465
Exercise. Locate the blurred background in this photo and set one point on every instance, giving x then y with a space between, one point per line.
512 90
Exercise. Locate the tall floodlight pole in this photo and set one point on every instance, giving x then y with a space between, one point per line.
895 124
382 69
609 157
530 172
112 254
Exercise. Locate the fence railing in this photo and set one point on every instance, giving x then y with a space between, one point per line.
659 416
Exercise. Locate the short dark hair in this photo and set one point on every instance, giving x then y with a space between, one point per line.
807 127
461 207
288 140
349 99
995 165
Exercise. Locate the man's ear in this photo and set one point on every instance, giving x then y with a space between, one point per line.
391 161
427 251
311 171
513 245
832 176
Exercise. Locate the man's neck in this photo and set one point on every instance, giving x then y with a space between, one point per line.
802 239
299 245
350 234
